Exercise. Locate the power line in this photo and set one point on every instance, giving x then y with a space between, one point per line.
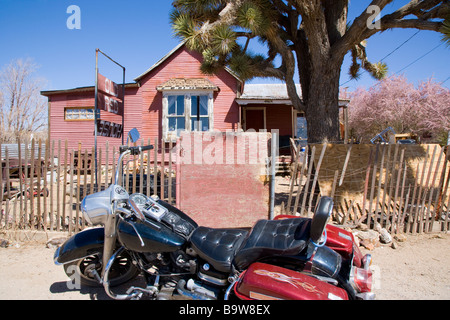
401 45
420 57
390 53
445 80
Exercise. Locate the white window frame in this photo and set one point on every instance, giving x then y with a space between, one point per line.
173 135
79 113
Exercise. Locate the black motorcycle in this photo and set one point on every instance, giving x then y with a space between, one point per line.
276 259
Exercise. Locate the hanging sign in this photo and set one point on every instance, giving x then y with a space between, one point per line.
109 104
109 87
109 96
109 129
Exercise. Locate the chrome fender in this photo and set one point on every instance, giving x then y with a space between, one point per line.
80 245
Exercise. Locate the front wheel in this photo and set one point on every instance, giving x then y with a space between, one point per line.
121 271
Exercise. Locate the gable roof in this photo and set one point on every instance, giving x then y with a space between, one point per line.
160 61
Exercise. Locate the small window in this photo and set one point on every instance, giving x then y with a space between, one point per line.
199 113
186 111
78 114
176 114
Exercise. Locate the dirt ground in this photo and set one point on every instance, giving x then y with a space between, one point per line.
419 269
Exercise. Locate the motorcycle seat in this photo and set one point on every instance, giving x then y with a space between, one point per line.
273 238
224 247
217 246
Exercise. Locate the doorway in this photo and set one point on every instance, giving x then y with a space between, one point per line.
255 118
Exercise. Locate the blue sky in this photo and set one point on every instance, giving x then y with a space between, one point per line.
137 33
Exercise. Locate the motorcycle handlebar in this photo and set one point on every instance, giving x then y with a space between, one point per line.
135 150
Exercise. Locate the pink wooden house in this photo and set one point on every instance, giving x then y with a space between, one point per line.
173 96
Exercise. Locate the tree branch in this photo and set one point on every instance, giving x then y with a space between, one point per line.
227 16
423 9
414 7
289 64
304 63
411 23
355 32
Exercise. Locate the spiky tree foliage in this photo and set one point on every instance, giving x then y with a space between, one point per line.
310 36
446 31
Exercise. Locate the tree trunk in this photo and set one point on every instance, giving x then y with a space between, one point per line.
322 104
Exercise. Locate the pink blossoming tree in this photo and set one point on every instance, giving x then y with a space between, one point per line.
395 102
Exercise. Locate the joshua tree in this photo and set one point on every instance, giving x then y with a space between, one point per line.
312 36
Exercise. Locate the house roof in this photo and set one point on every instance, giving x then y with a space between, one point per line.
271 93
276 91
160 61
81 89
267 93
187 84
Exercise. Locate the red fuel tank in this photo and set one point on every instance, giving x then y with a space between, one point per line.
267 282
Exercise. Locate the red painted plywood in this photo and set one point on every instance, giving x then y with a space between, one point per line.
228 189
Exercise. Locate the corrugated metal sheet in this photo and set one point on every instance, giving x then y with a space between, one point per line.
13 151
267 91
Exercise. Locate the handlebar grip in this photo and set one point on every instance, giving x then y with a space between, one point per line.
122 149
137 150
145 148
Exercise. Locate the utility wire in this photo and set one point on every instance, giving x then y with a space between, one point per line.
401 45
390 53
445 80
420 57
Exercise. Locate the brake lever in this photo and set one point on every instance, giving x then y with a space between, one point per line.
138 213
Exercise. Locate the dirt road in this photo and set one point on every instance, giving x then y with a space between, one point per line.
418 269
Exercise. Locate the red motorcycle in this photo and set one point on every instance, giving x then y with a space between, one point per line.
285 258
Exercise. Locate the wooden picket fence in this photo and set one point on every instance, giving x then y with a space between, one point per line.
43 183
402 191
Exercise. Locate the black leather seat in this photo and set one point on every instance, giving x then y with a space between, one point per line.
218 246
224 247
273 238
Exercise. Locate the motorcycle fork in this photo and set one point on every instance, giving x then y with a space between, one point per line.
110 240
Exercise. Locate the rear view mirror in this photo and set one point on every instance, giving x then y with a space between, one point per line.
133 135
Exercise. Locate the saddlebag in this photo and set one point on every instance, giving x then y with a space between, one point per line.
268 282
